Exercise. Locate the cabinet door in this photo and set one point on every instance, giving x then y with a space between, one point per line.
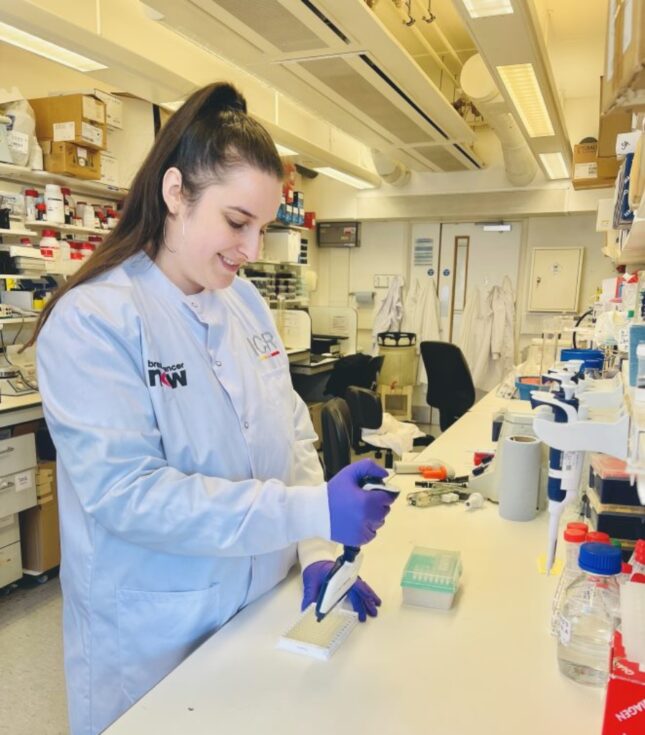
555 279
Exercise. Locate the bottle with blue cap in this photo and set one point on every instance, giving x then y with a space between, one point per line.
589 615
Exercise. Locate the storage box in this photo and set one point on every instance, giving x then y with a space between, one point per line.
585 168
397 401
40 536
625 701
282 246
72 118
109 169
431 577
632 46
609 478
619 521
72 160
611 126
610 81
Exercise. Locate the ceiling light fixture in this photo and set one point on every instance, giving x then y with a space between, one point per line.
525 93
555 165
344 178
485 8
34 44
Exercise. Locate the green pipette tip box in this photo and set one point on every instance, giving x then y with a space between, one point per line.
431 577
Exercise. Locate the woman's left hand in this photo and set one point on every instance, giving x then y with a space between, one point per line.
363 598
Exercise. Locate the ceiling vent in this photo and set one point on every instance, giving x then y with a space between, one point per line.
336 58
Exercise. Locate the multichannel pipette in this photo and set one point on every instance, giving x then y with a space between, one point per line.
344 573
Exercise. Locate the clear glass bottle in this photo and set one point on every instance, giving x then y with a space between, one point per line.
589 615
573 539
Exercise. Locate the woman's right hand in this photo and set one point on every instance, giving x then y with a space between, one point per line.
356 514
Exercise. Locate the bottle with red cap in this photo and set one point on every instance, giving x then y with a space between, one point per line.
638 562
598 537
49 245
574 537
590 614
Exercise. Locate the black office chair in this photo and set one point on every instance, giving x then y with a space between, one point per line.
336 425
366 411
358 369
450 384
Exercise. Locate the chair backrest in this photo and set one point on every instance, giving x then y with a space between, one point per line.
336 435
365 410
375 367
350 370
450 384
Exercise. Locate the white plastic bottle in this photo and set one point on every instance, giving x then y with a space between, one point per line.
573 539
49 245
88 216
589 616
55 205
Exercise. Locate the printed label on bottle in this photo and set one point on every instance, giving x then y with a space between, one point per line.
564 631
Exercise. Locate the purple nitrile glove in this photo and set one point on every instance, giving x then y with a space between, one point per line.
363 598
356 514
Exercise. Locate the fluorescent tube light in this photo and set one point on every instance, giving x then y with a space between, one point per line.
485 8
525 93
51 51
284 151
345 178
555 165
496 227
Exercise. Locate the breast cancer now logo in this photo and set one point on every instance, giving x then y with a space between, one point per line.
167 376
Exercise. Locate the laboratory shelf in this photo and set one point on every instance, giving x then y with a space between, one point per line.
66 228
634 250
17 320
284 226
9 172
18 232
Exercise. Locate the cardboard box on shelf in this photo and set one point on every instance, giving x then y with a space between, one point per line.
40 536
610 81
109 169
72 160
631 46
586 174
611 125
71 118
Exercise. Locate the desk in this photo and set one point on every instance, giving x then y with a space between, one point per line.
488 666
316 367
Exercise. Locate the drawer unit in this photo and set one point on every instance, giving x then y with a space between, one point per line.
10 564
17 474
9 530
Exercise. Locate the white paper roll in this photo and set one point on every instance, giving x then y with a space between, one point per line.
519 478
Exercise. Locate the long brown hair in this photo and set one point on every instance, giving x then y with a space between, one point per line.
210 135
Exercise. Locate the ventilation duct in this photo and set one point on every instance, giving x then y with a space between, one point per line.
478 84
392 172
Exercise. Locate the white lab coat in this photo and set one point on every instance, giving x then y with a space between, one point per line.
487 334
390 312
421 315
186 474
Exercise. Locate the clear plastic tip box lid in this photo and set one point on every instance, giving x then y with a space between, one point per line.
431 577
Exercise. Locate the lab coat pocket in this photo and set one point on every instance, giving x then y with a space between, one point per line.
157 630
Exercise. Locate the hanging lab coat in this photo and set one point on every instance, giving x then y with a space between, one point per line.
486 337
421 315
390 311
186 474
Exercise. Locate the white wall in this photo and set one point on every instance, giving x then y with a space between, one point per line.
572 231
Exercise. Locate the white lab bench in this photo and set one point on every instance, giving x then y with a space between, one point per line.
487 666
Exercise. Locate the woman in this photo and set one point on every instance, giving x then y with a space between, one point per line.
186 470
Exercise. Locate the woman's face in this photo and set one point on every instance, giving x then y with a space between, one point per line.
207 242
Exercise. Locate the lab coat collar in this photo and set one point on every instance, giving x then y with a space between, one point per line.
205 305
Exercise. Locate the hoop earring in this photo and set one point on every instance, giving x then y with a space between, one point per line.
165 241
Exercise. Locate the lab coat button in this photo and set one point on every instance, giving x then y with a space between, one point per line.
246 424
218 363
